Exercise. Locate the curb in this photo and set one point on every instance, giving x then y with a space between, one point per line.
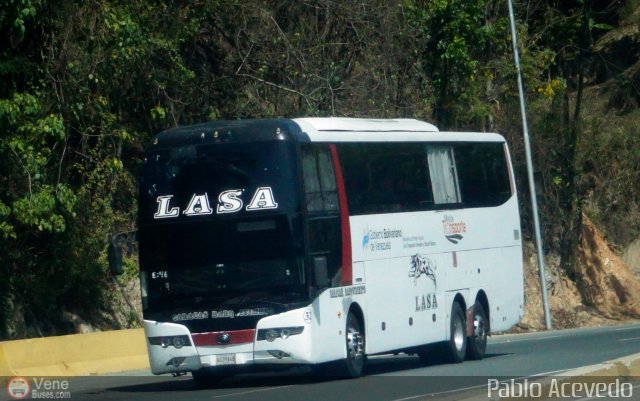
607 375
627 366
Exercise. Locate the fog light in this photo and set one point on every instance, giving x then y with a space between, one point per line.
177 361
278 354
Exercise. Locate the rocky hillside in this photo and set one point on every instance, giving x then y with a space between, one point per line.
609 291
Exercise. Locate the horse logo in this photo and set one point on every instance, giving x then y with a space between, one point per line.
421 265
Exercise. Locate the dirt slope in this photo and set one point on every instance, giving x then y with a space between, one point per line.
609 294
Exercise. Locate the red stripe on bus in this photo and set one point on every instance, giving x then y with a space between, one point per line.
347 268
236 337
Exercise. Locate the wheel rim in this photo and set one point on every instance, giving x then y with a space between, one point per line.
479 329
458 333
355 344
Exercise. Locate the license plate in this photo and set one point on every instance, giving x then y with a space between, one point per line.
226 359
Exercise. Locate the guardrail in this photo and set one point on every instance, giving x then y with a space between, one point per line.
75 355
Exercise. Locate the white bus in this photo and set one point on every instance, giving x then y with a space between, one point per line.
320 241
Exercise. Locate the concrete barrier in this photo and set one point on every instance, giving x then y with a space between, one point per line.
4 365
75 355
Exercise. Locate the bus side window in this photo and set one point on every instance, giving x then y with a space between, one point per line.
483 172
321 193
385 177
323 211
443 174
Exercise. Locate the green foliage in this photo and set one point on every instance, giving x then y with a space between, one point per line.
87 85
455 39
609 160
15 13
29 138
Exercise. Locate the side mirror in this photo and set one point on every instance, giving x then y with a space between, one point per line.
114 251
114 256
320 272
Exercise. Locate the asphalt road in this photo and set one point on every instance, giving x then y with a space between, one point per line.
395 378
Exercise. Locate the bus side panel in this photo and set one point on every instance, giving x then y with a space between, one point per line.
405 287
487 255
402 312
324 322
498 272
506 291
411 257
330 311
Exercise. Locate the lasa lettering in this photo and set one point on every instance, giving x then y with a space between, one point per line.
262 199
425 302
229 201
198 205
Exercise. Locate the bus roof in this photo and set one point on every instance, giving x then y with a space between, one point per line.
366 124
339 129
316 129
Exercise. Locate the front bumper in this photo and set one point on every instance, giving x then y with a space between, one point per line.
246 347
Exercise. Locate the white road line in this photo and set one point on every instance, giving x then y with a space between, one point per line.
525 339
553 372
628 328
252 391
629 339
413 397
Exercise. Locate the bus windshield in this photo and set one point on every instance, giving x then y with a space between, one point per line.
221 220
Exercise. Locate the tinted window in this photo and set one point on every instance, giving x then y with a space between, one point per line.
406 177
321 193
323 220
483 174
385 177
257 172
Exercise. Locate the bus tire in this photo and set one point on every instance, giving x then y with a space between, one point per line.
457 344
354 342
477 343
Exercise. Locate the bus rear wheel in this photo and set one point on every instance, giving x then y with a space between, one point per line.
477 344
354 341
457 344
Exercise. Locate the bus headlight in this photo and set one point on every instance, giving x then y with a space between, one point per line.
179 341
170 341
271 335
278 332
166 342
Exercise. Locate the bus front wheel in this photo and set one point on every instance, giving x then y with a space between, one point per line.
355 340
457 344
